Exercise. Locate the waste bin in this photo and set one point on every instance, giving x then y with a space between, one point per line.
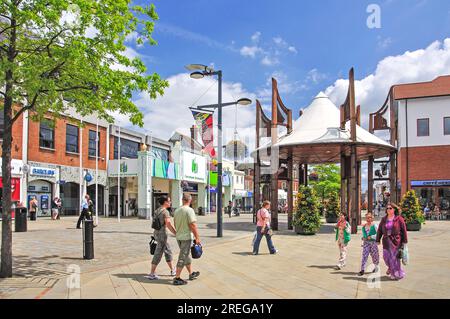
201 211
32 215
20 220
88 239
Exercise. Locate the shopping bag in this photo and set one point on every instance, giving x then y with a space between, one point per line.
405 255
196 250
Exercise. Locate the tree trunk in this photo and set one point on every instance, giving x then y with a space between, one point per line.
6 253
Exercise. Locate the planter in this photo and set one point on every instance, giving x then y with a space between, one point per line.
413 226
299 230
331 219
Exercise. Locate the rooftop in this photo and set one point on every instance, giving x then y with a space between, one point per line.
438 87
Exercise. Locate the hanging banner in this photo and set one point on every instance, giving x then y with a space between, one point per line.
204 122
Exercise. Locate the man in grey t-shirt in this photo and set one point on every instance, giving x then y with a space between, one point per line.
185 224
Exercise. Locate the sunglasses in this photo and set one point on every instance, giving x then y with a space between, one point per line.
390 208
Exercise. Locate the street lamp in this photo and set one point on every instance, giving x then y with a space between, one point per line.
200 71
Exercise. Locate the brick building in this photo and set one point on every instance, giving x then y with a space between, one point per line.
423 113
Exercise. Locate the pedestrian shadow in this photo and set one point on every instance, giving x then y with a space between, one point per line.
72 258
348 273
366 279
244 253
322 266
141 279
122 232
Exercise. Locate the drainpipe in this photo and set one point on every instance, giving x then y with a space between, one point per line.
407 146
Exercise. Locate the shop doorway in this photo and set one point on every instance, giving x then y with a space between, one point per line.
70 198
113 207
101 201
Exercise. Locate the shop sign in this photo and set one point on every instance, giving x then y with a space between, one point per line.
194 167
189 187
42 171
226 179
128 167
240 192
16 166
431 183
15 188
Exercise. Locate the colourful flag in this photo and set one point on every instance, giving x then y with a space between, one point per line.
204 122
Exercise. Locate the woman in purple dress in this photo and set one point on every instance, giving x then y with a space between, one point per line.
392 231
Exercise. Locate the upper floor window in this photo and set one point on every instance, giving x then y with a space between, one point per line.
94 143
160 153
128 149
71 138
46 135
446 125
423 127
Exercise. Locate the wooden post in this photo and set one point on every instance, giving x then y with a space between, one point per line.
343 183
359 204
274 134
290 195
370 185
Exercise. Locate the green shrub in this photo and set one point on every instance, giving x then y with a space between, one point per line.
411 210
333 206
306 212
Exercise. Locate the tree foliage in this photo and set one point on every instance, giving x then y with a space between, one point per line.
333 206
328 181
410 208
56 54
306 212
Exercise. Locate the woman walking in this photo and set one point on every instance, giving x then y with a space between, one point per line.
263 229
392 232
342 238
370 246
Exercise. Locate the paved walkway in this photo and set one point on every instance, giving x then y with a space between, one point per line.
302 269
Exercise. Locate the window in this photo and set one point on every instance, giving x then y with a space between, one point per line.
128 149
446 125
92 143
160 153
71 138
46 135
423 127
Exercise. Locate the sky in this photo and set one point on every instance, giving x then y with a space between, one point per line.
308 46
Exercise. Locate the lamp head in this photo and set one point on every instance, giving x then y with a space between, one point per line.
197 75
244 101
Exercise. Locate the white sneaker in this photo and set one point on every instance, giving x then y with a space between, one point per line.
173 272
152 277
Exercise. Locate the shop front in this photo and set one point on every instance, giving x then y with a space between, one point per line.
16 181
194 179
163 174
42 185
129 187
433 192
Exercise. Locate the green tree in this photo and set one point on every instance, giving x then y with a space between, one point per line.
306 212
57 54
333 206
328 181
410 208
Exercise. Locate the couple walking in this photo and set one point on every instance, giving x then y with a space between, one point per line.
185 229
391 233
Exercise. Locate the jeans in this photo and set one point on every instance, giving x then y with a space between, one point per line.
258 241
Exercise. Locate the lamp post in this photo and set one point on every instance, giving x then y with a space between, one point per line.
201 71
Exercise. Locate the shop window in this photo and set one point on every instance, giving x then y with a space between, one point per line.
71 138
446 125
47 135
128 149
92 143
423 127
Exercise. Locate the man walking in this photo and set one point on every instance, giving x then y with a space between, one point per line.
160 234
84 210
186 228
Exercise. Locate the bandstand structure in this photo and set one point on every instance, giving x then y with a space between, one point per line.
322 134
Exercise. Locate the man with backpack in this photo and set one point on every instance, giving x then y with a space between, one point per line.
185 224
161 221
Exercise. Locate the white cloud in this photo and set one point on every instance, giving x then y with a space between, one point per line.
384 43
170 112
269 60
292 49
256 36
250 51
412 66
279 41
315 76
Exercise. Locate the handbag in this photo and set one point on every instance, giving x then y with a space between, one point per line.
196 250
152 245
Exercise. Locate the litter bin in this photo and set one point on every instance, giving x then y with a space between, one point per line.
32 215
201 211
20 220
88 239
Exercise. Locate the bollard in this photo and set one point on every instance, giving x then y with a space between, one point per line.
20 220
88 239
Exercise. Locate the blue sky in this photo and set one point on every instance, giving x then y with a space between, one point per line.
326 38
